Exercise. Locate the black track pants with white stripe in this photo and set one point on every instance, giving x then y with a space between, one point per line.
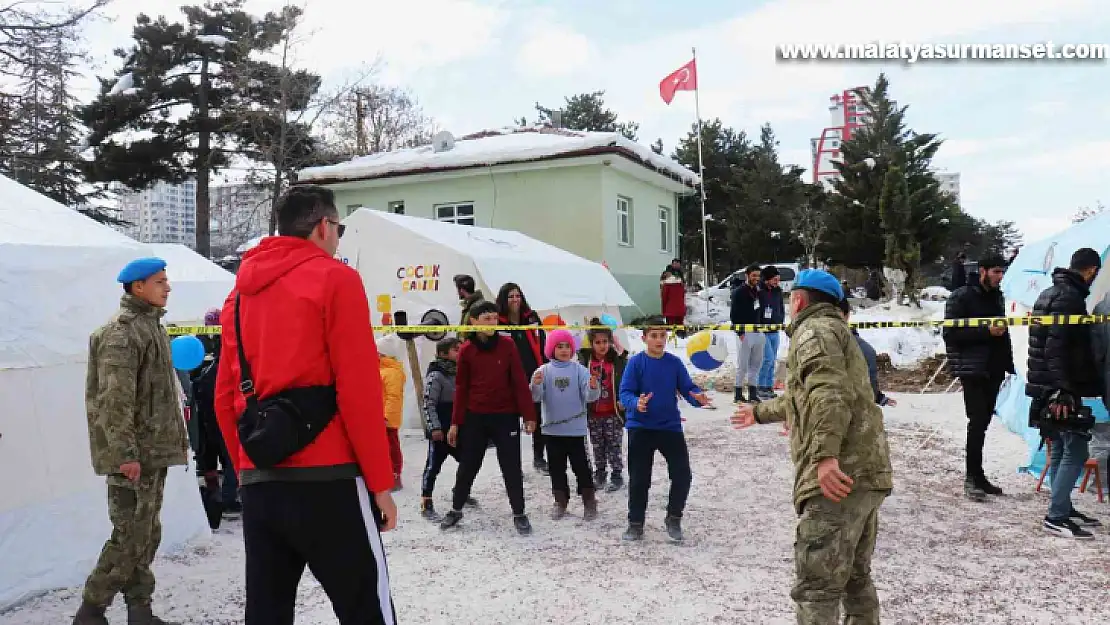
328 526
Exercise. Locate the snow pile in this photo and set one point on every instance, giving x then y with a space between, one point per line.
939 557
906 346
705 311
497 147
935 293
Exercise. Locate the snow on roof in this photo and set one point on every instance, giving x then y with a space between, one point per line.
29 218
497 147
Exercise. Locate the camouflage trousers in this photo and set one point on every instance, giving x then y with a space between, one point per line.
832 560
124 563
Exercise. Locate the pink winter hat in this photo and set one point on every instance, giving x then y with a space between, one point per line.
554 338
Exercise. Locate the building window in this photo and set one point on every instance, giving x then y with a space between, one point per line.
665 229
397 207
352 208
461 213
624 220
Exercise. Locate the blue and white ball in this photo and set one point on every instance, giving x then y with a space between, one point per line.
706 350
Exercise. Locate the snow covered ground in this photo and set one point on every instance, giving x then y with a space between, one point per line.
940 557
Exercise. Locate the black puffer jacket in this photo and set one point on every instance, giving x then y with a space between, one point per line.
973 352
1061 356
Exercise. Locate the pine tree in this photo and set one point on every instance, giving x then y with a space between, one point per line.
856 236
902 250
723 150
586 111
176 87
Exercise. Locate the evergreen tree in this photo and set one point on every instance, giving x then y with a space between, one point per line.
177 89
764 196
723 150
902 250
586 111
856 236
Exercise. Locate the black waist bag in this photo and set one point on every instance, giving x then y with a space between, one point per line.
273 428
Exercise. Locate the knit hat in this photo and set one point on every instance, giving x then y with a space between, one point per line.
392 345
212 317
770 271
554 338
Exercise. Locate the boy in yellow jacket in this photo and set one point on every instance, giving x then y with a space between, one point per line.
393 392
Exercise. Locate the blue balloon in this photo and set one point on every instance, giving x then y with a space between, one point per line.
610 321
187 352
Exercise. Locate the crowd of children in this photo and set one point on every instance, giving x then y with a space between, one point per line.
477 391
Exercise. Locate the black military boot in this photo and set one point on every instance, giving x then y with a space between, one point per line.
738 394
89 614
753 394
142 614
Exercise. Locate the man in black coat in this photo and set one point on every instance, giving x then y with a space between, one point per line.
959 272
980 358
1061 359
746 309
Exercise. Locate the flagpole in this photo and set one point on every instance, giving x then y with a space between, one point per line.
701 180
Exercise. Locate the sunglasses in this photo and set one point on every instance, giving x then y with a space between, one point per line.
340 227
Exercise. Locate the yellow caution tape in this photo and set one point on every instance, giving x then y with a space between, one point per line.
976 322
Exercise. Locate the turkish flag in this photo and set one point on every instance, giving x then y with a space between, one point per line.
684 78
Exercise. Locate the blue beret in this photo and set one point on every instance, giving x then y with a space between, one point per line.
140 269
819 280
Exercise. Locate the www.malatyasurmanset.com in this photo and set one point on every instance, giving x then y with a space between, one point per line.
915 52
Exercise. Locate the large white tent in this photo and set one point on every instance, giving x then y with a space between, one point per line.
57 284
198 284
407 264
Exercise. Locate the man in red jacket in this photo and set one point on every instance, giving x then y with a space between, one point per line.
491 395
305 322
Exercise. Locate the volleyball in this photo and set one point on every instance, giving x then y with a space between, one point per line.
706 351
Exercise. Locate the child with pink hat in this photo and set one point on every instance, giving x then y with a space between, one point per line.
566 388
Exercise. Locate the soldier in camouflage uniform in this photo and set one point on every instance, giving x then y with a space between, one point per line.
841 458
136 432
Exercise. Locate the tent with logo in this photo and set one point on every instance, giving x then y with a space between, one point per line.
1027 276
407 265
197 283
57 284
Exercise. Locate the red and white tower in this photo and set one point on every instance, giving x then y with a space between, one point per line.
848 114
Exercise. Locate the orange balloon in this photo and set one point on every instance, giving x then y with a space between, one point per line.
553 320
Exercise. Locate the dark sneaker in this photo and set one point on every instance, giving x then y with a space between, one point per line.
985 485
599 479
1083 520
634 532
674 528
1065 528
540 465
472 502
523 527
451 519
615 483
974 492
428 509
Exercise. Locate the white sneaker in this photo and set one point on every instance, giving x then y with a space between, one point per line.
1065 528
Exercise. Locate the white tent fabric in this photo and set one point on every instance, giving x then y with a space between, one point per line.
57 284
197 283
407 264
1027 276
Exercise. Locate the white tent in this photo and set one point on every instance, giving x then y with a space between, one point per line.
198 284
407 264
57 284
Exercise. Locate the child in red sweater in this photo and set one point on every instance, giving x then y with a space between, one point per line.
491 396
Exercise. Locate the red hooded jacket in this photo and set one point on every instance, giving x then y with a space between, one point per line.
306 322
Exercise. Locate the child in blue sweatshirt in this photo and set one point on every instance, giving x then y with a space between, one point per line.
649 393
565 388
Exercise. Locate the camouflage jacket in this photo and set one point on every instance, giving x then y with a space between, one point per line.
466 304
830 406
132 400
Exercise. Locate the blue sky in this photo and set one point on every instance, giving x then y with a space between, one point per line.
1031 139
